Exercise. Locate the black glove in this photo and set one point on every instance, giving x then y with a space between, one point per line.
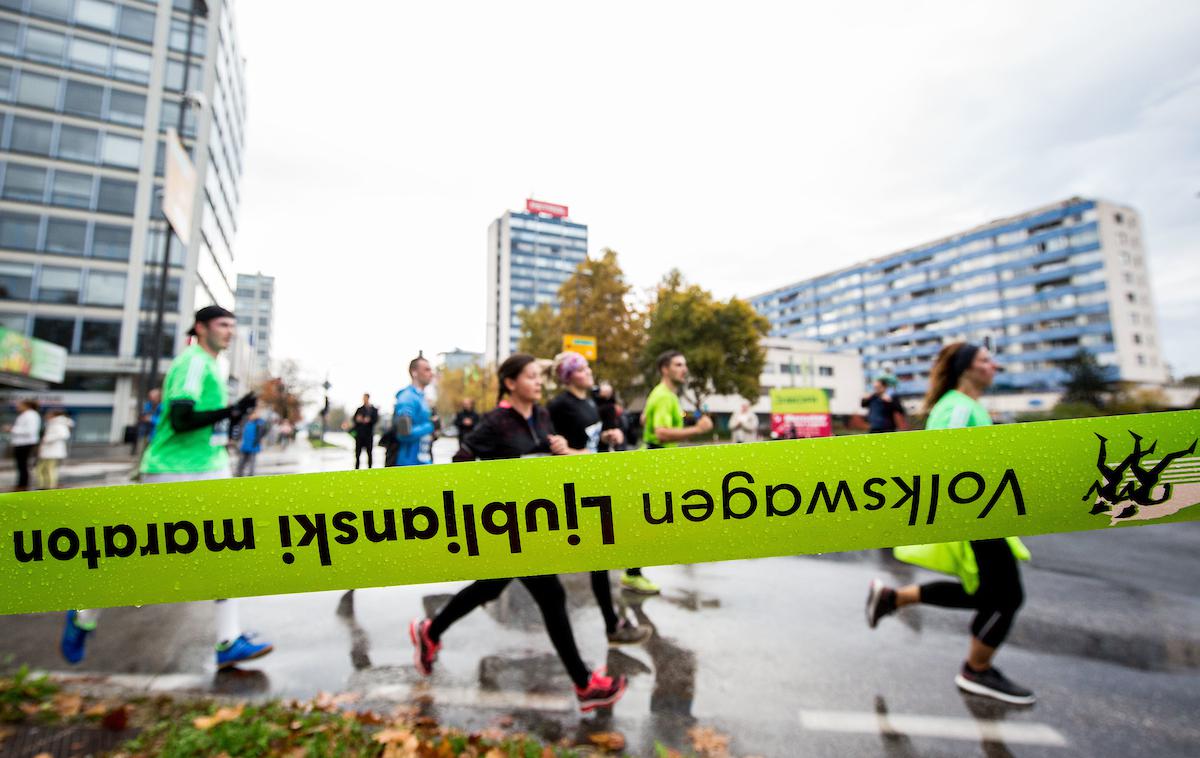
243 407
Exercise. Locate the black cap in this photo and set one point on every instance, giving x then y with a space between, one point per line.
208 313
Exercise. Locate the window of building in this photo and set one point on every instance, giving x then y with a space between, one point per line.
72 189
166 341
116 196
88 382
24 183
41 45
60 331
83 99
150 292
31 136
1137 338
111 242
131 65
100 337
14 322
87 55
66 236
6 76
137 24
37 91
127 108
56 9
105 288
59 285
825 370
16 280
96 14
1131 297
8 37
76 143
18 231
122 151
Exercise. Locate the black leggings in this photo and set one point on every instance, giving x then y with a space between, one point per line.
359 446
603 592
547 591
21 453
997 599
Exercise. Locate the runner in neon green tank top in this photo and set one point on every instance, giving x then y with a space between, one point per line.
189 445
195 377
990 581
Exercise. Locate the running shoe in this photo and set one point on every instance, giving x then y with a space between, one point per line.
74 637
881 601
241 650
991 683
639 584
628 633
425 650
601 691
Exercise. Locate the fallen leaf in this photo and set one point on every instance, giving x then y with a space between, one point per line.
295 725
368 717
43 755
612 741
117 719
222 715
68 705
97 710
30 709
6 732
709 742
425 722
346 697
387 736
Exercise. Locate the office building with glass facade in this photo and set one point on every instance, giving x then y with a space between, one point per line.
255 311
1038 287
88 89
529 256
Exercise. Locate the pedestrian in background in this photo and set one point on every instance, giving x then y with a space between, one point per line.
53 449
412 421
24 433
466 419
253 431
743 425
884 411
365 419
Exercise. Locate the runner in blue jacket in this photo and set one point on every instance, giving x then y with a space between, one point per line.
411 419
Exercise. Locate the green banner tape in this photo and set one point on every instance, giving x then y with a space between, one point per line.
159 543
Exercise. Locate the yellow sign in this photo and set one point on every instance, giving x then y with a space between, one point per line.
580 343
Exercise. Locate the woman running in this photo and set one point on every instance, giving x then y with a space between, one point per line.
990 581
576 417
518 426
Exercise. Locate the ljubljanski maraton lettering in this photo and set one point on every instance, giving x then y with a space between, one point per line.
227 538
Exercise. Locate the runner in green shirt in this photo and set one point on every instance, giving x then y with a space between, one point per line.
189 445
663 427
989 577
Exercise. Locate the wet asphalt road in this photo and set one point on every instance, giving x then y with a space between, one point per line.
773 653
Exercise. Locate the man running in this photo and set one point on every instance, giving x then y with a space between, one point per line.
411 419
664 427
189 445
576 417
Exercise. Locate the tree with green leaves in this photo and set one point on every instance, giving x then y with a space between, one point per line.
1086 382
720 339
594 302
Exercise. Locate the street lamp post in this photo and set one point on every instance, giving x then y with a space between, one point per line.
151 378
325 408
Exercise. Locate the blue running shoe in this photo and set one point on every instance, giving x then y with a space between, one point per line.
73 639
241 649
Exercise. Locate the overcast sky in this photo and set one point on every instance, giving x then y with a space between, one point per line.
748 144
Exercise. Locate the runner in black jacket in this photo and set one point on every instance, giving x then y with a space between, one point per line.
517 427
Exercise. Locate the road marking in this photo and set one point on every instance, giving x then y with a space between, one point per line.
974 730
